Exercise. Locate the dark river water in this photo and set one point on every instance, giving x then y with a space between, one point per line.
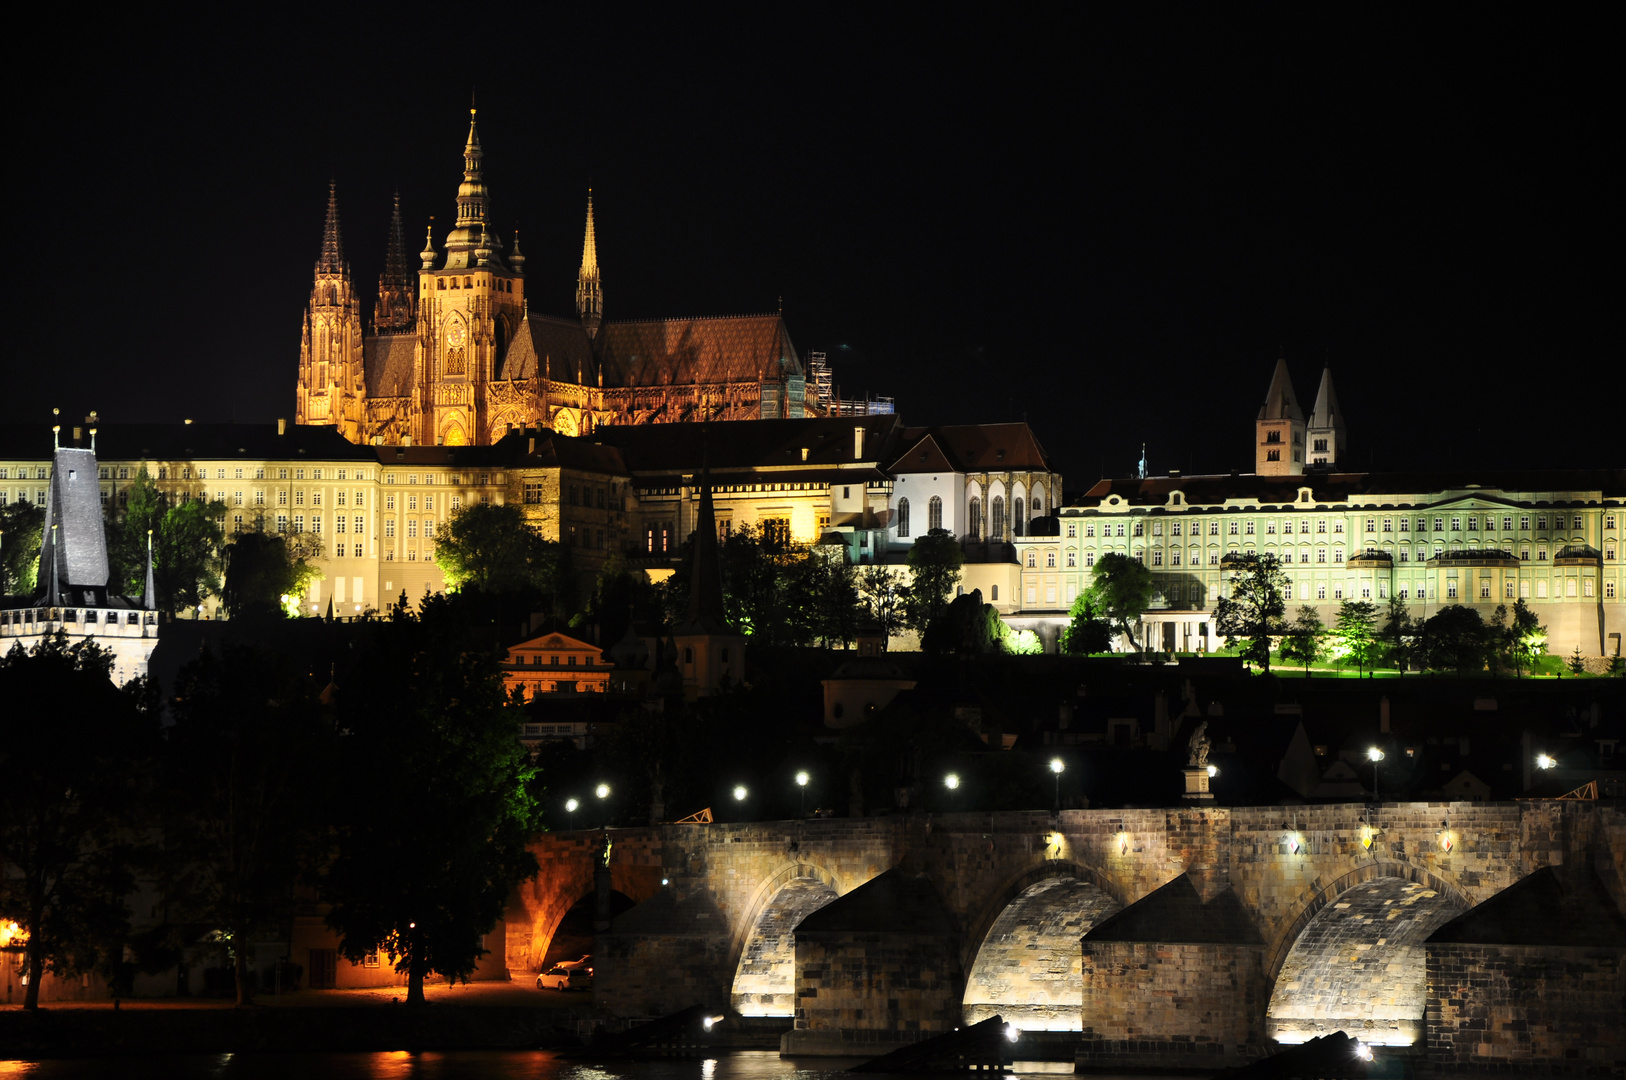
465 1065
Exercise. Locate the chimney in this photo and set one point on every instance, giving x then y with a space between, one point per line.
858 442
530 445
78 433
282 426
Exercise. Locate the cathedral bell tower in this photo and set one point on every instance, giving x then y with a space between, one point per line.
469 309
1279 431
1326 429
330 389
589 291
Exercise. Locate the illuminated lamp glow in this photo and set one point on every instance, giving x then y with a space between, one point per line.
1213 771
951 781
1011 1032
740 793
1544 761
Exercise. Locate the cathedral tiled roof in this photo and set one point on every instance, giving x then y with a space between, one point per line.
548 346
972 448
387 362
667 352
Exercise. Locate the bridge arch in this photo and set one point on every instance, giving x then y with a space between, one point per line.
763 950
1354 958
1022 955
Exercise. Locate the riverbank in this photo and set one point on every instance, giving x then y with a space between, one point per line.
482 1016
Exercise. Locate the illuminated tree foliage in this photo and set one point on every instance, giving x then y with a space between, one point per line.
1305 640
1252 614
1088 632
492 547
934 561
267 574
73 751
1120 590
438 802
21 527
1355 632
1397 638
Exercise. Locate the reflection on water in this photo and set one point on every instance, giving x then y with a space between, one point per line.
462 1065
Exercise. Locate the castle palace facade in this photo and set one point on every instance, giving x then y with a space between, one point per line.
454 357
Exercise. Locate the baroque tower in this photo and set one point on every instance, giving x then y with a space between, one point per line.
331 390
589 291
469 309
1326 430
1279 431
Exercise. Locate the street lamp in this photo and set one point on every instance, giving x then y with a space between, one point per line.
1544 761
1374 755
570 808
952 782
603 793
1058 766
801 783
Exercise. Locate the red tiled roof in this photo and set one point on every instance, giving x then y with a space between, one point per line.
668 352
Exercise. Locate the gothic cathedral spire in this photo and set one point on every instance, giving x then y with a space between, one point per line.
395 311
330 390
589 291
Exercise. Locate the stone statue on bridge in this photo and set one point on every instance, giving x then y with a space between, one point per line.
1199 745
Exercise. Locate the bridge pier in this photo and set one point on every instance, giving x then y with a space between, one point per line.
1238 927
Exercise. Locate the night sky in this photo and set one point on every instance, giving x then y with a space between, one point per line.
1109 227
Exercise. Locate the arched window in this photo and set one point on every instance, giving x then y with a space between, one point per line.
1019 516
996 529
974 516
903 517
1038 507
934 513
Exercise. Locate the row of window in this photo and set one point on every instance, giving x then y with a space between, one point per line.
1138 527
934 516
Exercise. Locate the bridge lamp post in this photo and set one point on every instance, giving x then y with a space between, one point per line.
570 808
1058 766
603 793
952 782
801 783
1545 761
1374 755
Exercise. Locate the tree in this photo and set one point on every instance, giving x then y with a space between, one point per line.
439 795
268 574
1088 632
73 749
1120 590
934 561
1253 612
492 547
1527 638
22 525
186 554
1575 663
127 537
967 627
1305 641
1456 638
1354 631
885 599
822 590
244 780
1397 635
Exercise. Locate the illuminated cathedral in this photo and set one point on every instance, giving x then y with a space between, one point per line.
454 356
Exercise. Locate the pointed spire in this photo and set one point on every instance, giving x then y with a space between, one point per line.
1326 412
706 614
589 290
1280 404
332 260
517 259
428 255
395 310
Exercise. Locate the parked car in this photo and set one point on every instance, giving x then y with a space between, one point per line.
571 975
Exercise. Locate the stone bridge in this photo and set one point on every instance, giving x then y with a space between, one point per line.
1482 933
